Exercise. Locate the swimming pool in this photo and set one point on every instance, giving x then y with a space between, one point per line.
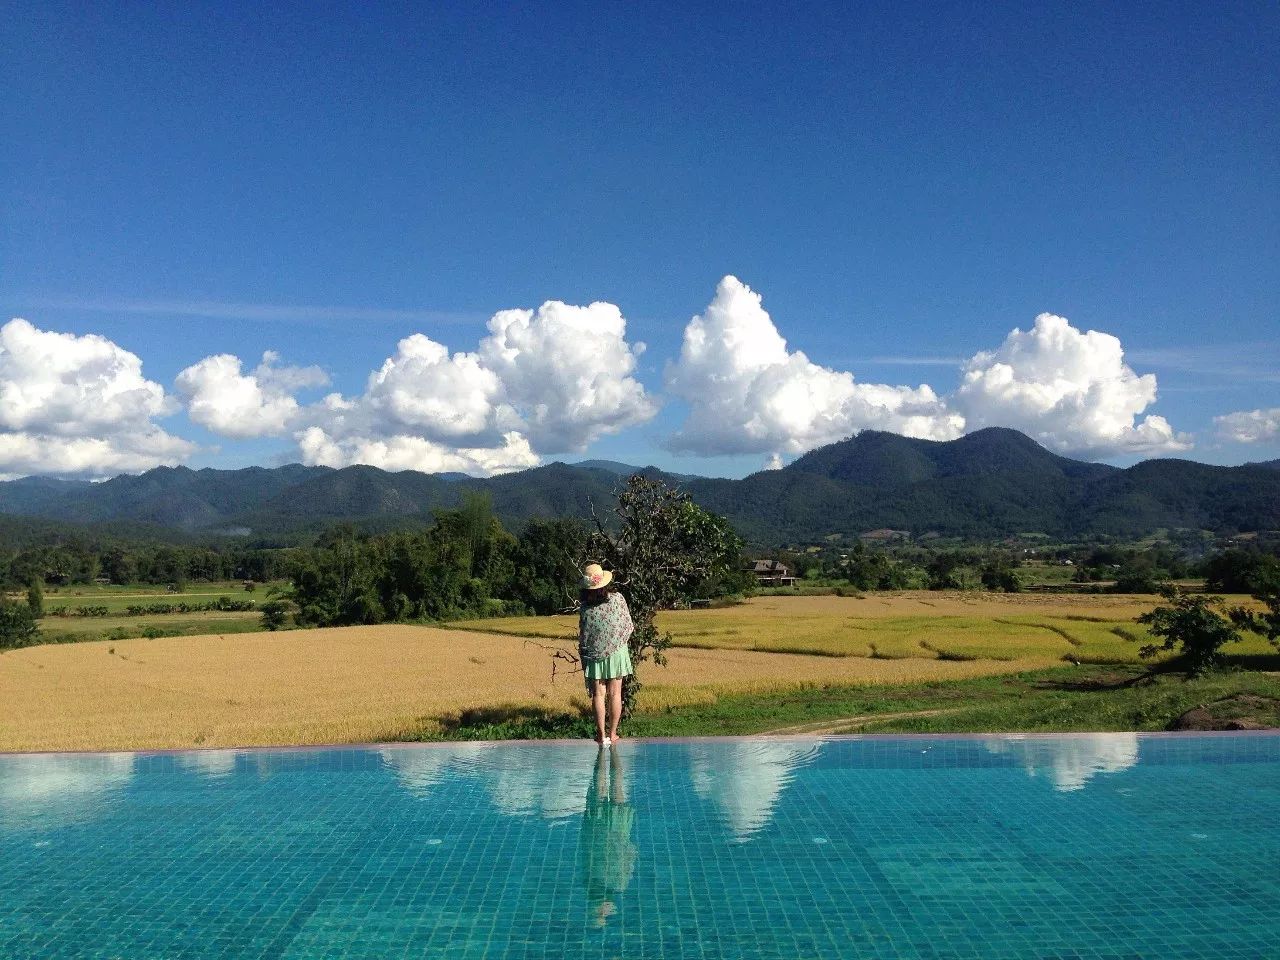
1097 846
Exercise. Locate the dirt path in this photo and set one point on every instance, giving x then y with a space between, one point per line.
854 724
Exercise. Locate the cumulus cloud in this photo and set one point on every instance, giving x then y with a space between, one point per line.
1071 762
546 381
426 390
1249 426
235 404
746 780
747 393
1071 391
518 785
567 371
78 405
405 452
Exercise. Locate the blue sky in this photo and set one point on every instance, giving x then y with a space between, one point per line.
903 187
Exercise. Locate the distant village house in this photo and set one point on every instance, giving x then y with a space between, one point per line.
772 573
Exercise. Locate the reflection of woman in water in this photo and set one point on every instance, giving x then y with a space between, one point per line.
606 853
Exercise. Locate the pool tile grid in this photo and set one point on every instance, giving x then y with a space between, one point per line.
963 848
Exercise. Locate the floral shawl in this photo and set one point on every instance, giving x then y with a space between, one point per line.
603 628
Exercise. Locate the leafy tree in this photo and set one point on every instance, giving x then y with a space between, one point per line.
546 561
1266 622
948 571
119 566
1240 571
1000 572
1192 624
17 625
1137 575
35 597
663 547
874 570
335 586
275 614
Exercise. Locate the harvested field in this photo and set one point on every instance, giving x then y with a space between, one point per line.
354 684
359 684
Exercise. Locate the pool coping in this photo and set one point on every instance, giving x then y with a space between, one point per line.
583 742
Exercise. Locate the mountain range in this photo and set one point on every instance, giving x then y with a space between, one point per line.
991 483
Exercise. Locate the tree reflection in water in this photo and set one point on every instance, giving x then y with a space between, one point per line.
606 852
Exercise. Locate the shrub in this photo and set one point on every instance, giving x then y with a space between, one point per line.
35 597
1191 624
17 625
1267 622
1240 571
275 614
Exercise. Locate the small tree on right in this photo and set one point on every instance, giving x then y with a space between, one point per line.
1266 621
1192 625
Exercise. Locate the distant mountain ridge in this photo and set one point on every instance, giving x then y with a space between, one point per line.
990 483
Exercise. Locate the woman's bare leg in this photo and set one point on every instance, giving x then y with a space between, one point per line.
598 705
615 705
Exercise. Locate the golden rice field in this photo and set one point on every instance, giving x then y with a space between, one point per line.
352 684
360 684
914 625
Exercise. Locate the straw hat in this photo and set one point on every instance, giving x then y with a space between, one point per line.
595 576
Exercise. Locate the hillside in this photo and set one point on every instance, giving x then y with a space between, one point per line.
990 483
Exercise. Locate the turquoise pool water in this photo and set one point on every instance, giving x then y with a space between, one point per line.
1107 846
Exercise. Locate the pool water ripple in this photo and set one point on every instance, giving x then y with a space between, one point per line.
1100 846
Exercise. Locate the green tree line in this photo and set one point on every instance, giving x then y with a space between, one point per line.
466 564
72 561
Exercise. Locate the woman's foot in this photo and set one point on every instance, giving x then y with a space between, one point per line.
614 738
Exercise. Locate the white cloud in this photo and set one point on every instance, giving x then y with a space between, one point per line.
1249 426
1070 391
234 404
745 779
519 784
546 381
43 793
426 390
27 454
78 405
209 764
748 394
1071 762
567 370
406 452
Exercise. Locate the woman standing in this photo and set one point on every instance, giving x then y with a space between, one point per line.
604 627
